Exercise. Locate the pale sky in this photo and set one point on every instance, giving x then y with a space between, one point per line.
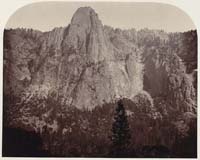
45 16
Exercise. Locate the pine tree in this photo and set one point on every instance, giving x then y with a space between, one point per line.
120 132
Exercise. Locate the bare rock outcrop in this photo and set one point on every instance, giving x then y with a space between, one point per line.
80 62
165 76
89 64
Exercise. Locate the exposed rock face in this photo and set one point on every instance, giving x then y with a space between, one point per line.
86 36
81 63
165 76
90 64
167 60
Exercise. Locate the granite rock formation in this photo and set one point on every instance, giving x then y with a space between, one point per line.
87 64
74 60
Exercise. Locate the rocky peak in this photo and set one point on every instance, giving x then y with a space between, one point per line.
86 36
85 17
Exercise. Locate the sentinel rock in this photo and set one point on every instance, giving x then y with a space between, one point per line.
86 36
89 64
80 63
93 67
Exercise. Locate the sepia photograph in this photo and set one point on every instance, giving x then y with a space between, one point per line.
101 80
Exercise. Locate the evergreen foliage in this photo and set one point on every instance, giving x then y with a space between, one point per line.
120 132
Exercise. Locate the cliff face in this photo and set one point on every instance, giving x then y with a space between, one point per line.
89 64
169 66
79 62
165 77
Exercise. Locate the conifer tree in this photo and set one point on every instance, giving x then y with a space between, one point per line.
120 132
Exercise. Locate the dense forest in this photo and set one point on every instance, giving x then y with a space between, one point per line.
71 132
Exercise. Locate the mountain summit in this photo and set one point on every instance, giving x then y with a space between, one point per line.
85 17
98 72
86 34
